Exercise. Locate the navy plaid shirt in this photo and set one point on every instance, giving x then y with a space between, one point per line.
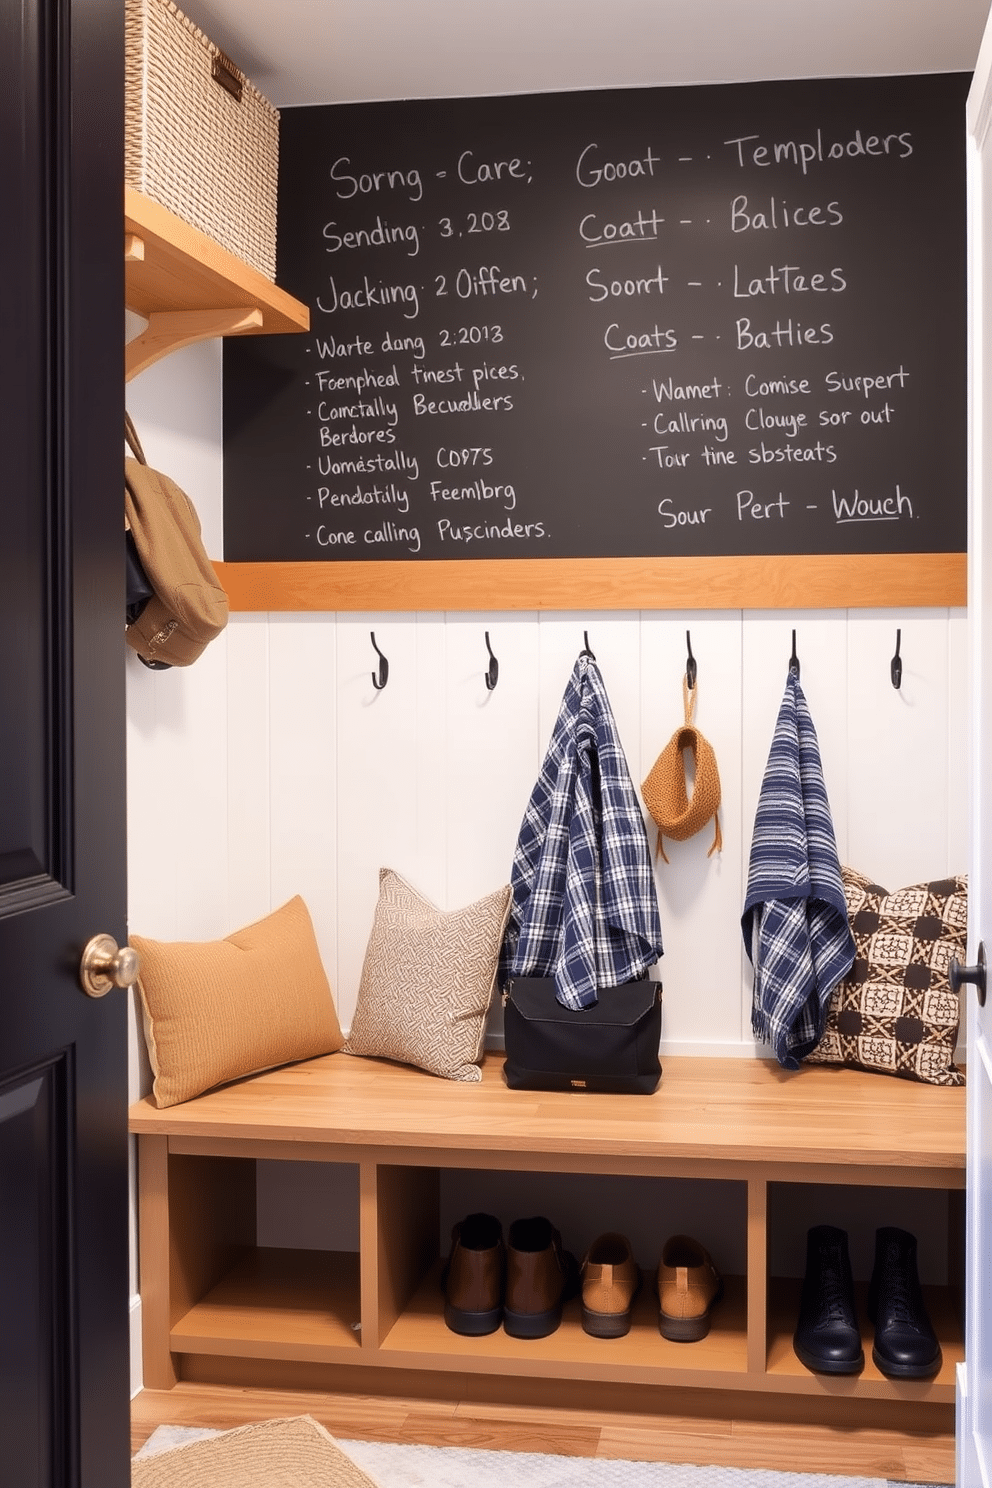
584 909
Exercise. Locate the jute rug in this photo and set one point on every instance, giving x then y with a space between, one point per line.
295 1453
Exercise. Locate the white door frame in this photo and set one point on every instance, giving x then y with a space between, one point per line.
974 1382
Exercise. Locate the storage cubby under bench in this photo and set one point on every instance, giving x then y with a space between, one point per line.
217 1309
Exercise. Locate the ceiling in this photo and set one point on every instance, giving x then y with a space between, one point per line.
333 51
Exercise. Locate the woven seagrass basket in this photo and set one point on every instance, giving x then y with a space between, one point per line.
199 138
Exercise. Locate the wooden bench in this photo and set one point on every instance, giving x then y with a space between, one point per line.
218 1309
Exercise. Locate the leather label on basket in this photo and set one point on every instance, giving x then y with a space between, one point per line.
225 73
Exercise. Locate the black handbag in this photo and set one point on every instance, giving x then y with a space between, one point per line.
611 1047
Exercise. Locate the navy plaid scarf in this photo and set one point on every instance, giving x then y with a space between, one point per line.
795 922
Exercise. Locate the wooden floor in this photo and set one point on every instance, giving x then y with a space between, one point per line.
795 1446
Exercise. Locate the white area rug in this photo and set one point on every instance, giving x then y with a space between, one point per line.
447 1467
402 1466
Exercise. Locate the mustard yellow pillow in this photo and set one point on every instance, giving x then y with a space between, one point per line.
427 980
218 1010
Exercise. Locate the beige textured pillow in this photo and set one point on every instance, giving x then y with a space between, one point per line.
427 980
221 1009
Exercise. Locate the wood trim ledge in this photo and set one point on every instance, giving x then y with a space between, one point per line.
827 581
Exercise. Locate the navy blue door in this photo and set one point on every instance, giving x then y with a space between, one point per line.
63 1153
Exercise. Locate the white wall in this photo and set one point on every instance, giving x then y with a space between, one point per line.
273 767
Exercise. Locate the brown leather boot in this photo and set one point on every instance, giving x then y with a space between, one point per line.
474 1276
538 1276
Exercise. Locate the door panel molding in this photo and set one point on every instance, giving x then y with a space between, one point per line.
38 1403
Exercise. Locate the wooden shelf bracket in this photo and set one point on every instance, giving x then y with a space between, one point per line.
169 330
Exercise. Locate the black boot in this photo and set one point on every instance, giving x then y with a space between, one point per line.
827 1337
905 1346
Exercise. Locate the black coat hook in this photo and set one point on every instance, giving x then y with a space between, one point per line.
895 666
379 682
794 659
492 672
690 665
585 647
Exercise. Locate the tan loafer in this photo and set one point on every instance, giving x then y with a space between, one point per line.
610 1282
689 1286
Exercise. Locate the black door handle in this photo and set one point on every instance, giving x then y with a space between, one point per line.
958 975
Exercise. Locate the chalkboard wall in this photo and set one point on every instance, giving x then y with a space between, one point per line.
676 321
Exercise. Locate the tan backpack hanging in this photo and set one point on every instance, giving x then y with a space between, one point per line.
665 793
187 607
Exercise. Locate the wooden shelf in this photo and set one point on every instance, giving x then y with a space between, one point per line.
189 288
642 1356
278 1304
785 1367
220 1310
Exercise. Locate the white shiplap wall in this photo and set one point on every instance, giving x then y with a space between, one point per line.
273 767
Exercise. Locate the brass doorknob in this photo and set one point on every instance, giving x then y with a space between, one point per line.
105 964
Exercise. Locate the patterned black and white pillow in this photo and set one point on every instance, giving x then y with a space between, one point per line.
895 1013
